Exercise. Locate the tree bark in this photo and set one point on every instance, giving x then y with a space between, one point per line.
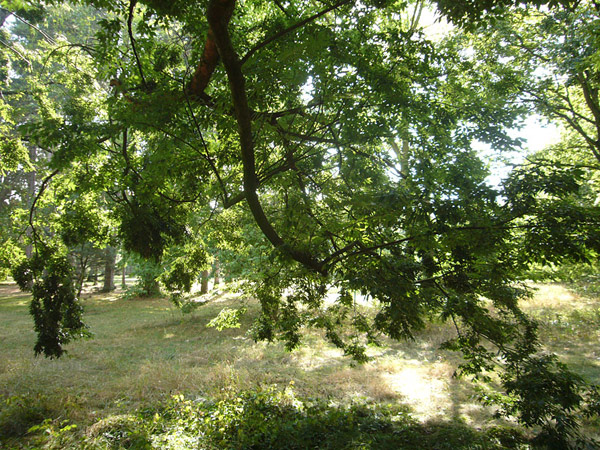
110 256
217 274
204 283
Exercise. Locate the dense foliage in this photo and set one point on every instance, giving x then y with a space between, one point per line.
54 307
315 148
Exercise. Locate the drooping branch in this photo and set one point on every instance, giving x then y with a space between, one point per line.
6 13
16 52
207 155
43 187
132 4
548 163
219 13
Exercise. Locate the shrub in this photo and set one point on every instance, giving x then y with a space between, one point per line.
270 419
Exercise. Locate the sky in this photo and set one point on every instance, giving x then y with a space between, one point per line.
537 134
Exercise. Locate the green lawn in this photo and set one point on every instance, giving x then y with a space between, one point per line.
145 351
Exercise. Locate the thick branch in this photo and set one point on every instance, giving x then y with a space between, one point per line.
218 13
37 197
210 55
234 200
591 99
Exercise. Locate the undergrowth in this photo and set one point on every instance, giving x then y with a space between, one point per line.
268 419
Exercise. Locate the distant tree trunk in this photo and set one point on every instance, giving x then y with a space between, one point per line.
123 282
31 179
93 275
83 264
110 257
204 282
217 273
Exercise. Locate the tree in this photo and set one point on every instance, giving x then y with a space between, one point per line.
277 129
556 55
552 59
110 258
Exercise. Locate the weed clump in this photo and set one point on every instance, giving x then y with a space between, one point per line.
120 431
19 413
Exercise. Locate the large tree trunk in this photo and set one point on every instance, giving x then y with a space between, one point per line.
204 282
110 256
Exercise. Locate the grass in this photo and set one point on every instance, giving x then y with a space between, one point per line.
569 326
144 351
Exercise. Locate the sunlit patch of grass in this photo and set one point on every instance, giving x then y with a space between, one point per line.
556 297
569 326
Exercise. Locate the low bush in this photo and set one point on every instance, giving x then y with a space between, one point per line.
121 431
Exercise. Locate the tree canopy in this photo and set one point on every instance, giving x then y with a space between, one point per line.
317 147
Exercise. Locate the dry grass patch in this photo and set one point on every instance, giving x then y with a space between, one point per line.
569 326
557 297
